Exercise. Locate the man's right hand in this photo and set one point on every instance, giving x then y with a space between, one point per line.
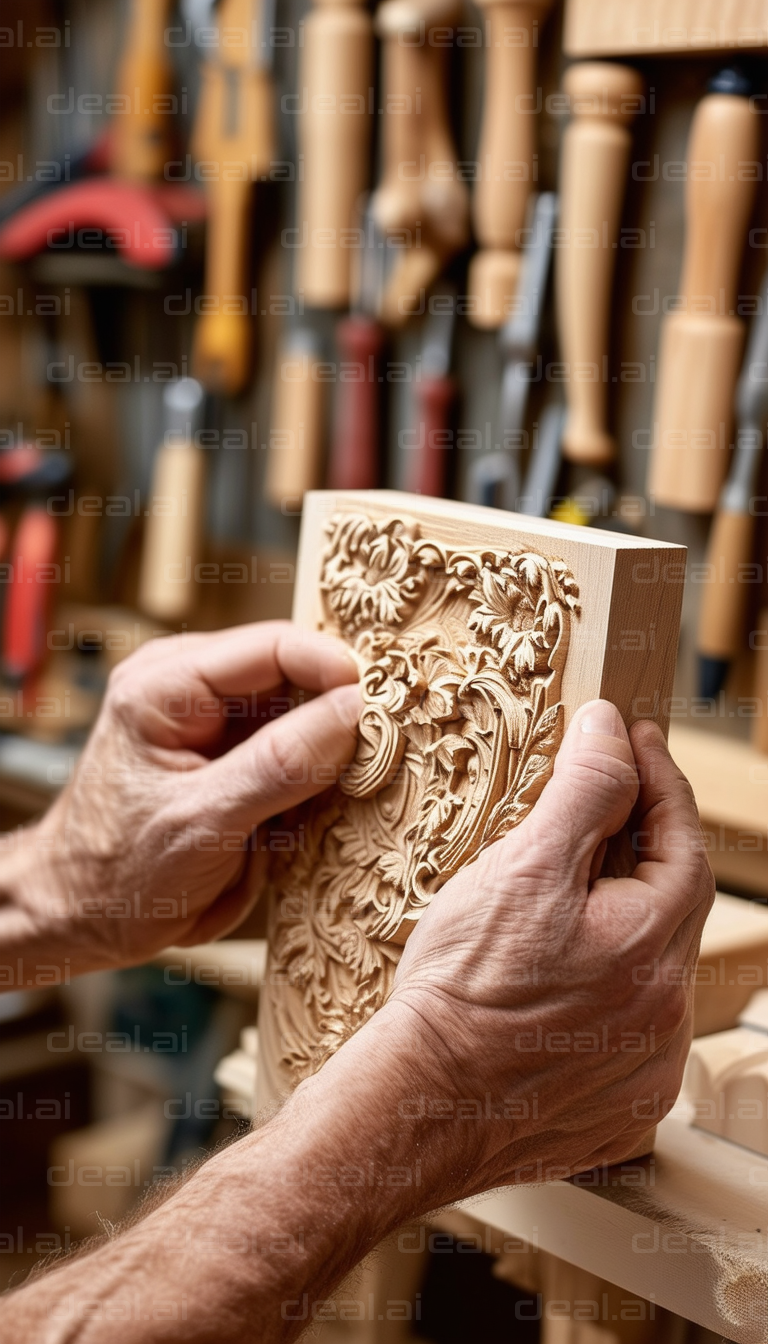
557 999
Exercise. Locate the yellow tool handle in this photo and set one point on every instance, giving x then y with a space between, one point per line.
141 130
221 353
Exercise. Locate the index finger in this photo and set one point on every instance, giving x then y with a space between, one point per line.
176 689
246 658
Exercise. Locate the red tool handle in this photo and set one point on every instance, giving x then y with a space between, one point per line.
133 216
25 623
434 398
354 460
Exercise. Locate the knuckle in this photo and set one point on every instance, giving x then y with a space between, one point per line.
279 760
670 1011
121 698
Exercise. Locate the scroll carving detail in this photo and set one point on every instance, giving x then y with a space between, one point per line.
463 654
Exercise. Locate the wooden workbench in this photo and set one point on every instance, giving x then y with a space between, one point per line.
730 782
686 1228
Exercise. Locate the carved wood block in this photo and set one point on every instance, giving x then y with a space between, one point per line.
478 633
727 1081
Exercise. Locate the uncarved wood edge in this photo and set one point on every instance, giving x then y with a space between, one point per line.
643 633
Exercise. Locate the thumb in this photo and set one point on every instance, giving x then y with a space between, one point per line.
282 764
590 796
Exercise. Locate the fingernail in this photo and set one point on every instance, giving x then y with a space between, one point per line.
344 655
348 702
602 718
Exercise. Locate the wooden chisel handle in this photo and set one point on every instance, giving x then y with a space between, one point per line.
724 598
429 472
173 533
335 92
719 195
354 463
222 342
141 133
505 154
596 145
295 457
701 344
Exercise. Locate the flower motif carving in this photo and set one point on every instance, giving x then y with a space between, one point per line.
463 654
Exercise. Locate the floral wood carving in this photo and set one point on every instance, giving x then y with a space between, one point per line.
463 653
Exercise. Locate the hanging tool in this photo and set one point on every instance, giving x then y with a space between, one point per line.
356 435
495 478
434 393
295 457
234 133
172 544
595 154
420 206
335 88
505 155
141 132
701 343
722 616
129 219
60 173
28 476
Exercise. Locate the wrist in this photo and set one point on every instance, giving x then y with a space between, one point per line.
408 1132
41 944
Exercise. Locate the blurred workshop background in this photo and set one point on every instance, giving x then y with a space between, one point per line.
252 248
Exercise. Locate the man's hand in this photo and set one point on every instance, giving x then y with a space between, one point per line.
151 842
546 994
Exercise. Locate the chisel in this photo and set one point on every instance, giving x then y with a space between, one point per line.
295 457
724 599
334 131
30 475
495 479
234 134
434 392
356 435
141 131
701 343
174 514
505 154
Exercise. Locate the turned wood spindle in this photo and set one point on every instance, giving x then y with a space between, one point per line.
595 154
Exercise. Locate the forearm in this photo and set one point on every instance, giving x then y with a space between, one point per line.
33 954
266 1229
